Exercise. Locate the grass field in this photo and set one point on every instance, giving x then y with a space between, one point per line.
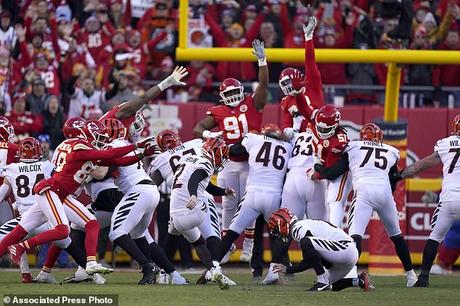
389 291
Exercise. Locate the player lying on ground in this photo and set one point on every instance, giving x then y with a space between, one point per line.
446 152
371 162
325 248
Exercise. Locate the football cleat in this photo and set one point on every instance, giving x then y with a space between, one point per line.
16 252
203 279
150 272
45 278
27 278
365 282
163 278
178 279
94 267
438 270
423 281
320 287
246 254
218 277
272 277
411 278
98 279
226 258
78 277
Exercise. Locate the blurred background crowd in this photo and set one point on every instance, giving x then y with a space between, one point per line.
67 58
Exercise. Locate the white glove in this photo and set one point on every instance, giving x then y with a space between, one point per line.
289 133
174 78
309 28
192 201
209 134
297 122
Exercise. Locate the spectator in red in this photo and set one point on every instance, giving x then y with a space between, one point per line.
48 72
24 122
118 17
141 51
72 55
235 38
95 36
448 75
4 73
47 30
200 77
443 7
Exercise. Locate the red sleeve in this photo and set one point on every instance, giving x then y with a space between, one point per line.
253 31
216 31
54 36
108 28
103 155
153 42
121 161
314 88
286 120
286 25
25 56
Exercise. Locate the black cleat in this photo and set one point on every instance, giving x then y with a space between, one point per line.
202 279
320 287
150 272
422 281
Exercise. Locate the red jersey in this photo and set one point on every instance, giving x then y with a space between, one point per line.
329 150
235 122
95 43
312 98
52 81
74 160
8 153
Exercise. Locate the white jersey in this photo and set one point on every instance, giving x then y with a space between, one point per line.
179 192
303 153
23 177
81 105
448 150
168 161
128 176
317 229
370 162
268 161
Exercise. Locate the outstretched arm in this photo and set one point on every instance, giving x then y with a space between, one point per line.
202 128
103 156
421 165
130 108
261 92
314 85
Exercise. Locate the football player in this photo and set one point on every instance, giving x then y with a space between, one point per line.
332 140
21 178
73 164
189 203
162 169
305 198
446 152
302 94
371 162
268 160
323 246
238 114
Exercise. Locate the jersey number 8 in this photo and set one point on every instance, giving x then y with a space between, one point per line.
22 182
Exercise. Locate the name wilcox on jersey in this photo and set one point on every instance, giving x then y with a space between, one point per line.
30 168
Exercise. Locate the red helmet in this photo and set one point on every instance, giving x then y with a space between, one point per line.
232 92
96 133
279 222
30 150
115 128
271 130
285 80
73 128
6 130
456 125
217 150
371 132
326 121
168 140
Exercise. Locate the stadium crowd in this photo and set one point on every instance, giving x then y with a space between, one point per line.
68 58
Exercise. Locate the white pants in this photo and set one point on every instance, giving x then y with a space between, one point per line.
234 175
188 222
343 256
211 225
254 203
77 213
337 195
365 201
445 214
304 197
134 212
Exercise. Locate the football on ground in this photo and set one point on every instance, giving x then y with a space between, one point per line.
389 291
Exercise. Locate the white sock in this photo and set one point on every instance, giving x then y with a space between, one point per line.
323 278
411 272
355 282
24 264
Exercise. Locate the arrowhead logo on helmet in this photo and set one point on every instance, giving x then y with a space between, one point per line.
326 121
6 130
231 92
